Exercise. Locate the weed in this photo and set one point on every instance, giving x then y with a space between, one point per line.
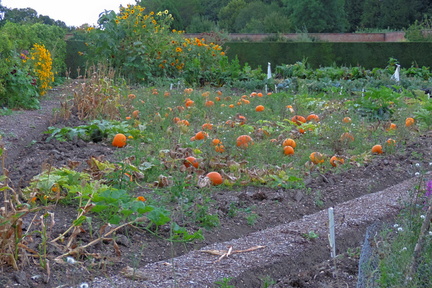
224 283
310 235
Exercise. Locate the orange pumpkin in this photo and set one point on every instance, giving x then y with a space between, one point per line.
216 141
313 117
209 103
191 161
289 142
346 120
220 148
392 126
409 122
288 150
316 157
377 149
201 135
243 141
259 108
391 142
336 161
207 126
297 119
189 103
215 178
119 140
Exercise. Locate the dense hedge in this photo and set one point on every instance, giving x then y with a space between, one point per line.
366 54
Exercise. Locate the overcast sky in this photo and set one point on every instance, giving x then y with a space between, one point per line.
72 12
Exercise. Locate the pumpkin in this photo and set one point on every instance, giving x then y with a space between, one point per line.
316 157
220 148
297 119
243 141
216 141
119 140
336 161
289 142
207 126
313 117
409 121
215 178
191 161
346 120
391 142
259 108
288 150
260 94
189 103
201 135
377 149
392 126
209 103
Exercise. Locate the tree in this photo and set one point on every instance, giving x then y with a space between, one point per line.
354 12
228 14
318 15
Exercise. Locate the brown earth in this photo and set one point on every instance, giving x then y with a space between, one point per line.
256 208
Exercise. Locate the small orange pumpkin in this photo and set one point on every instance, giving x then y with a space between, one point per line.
243 141
201 135
297 119
259 108
289 142
288 150
391 142
392 126
313 117
316 157
207 126
191 161
119 140
377 149
409 121
336 161
346 120
215 178
220 148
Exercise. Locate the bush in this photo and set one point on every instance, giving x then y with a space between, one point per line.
141 47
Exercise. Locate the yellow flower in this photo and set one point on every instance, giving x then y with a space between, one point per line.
179 49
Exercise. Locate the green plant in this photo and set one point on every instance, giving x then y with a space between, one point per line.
224 283
310 235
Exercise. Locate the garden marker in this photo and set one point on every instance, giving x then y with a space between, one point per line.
332 233
269 74
396 76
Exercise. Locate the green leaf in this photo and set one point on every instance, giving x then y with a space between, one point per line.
79 221
158 216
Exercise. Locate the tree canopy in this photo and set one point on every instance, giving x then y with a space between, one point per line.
266 16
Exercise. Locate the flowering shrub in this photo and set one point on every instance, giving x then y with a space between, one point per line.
41 61
141 47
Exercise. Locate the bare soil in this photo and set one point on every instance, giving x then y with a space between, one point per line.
28 151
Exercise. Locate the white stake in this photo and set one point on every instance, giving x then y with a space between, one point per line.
331 235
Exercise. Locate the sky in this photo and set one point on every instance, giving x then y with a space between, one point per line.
72 12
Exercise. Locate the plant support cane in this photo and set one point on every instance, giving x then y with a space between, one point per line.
331 236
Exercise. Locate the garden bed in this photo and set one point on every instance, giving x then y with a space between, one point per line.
28 152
